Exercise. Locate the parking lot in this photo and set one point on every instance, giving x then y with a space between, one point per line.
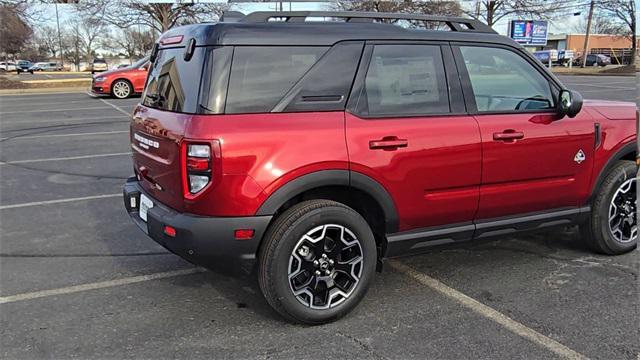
78 279
46 76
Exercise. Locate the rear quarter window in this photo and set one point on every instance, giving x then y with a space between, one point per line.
173 84
261 76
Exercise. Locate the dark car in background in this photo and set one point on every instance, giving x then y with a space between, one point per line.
594 60
24 66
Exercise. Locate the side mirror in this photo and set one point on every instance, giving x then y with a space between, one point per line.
569 103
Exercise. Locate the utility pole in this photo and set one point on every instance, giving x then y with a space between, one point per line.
586 36
59 37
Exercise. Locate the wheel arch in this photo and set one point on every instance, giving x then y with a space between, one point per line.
364 194
626 152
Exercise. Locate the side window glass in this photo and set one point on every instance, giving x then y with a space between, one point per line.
405 80
503 81
261 76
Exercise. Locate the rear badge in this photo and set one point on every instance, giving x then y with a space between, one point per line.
146 143
580 156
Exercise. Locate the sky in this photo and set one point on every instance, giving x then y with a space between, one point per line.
65 11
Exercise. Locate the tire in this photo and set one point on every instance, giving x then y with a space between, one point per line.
121 89
282 254
598 233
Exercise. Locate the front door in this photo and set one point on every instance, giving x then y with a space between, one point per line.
532 160
407 129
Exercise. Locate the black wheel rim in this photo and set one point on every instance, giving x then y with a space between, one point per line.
623 224
325 266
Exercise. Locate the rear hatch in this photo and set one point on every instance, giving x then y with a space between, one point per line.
160 122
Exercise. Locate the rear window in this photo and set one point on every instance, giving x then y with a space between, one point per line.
173 84
261 76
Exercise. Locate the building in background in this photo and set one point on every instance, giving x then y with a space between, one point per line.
617 47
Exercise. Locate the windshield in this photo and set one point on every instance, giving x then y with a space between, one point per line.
138 63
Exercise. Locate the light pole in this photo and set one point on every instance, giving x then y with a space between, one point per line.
586 36
59 37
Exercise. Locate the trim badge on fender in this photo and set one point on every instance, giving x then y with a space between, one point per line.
580 157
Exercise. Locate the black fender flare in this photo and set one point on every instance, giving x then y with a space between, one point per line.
323 178
625 150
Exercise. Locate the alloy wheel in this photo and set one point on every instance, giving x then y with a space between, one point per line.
121 89
325 266
622 212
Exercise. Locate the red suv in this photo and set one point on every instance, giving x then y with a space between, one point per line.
123 82
309 151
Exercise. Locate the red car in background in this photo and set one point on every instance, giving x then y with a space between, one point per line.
122 83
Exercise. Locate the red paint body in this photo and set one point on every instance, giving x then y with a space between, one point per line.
136 76
447 170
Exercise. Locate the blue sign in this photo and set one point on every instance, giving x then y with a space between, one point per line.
529 32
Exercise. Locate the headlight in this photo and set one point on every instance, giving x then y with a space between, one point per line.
100 79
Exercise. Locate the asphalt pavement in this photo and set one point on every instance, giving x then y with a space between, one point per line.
79 280
46 75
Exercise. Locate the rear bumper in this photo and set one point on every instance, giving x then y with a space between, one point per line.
205 241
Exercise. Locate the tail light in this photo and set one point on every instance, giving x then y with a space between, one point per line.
198 166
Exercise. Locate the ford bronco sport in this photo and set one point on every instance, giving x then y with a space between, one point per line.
307 151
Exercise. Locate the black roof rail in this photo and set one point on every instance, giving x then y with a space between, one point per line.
454 23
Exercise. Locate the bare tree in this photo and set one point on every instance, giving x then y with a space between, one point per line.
492 11
72 43
433 7
46 38
133 43
600 25
160 16
622 12
14 29
89 29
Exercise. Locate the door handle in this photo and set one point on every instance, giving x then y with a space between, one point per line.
508 135
388 143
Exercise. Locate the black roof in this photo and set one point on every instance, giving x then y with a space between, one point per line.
256 29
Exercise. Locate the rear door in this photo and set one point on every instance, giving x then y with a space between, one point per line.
406 127
159 124
532 160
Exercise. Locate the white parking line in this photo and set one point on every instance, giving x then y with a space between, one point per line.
605 86
65 121
97 285
116 107
30 103
58 201
487 312
51 110
65 135
79 91
63 158
600 90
